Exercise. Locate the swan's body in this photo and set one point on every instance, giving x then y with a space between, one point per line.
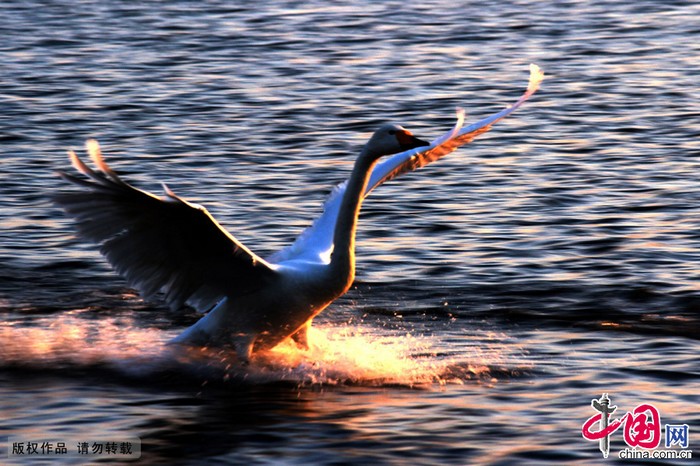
295 291
171 246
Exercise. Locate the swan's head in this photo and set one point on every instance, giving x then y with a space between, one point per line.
391 139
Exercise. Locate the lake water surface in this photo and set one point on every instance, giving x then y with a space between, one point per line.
498 291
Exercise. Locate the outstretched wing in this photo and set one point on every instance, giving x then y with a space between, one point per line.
160 244
316 242
458 136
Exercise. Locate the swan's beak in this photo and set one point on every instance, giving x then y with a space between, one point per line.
408 141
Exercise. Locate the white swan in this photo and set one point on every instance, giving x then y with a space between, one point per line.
171 246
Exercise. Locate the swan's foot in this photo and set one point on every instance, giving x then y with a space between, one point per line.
243 344
301 336
191 337
213 329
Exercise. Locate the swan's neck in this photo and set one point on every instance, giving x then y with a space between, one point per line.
343 257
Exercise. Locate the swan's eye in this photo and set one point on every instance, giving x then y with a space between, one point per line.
392 132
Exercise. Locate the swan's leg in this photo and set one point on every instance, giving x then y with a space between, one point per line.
207 330
192 336
243 343
301 337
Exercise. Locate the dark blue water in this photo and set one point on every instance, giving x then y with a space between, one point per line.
498 291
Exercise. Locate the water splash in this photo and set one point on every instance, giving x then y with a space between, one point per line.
357 355
338 355
70 341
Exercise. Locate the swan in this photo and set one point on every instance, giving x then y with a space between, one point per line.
169 245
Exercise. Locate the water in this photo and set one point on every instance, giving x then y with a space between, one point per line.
499 290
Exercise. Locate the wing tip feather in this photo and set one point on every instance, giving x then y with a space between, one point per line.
536 77
170 196
78 164
93 148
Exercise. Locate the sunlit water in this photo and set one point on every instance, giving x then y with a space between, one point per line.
498 291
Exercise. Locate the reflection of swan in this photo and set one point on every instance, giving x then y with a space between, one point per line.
170 245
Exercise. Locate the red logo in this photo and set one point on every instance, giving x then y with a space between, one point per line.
642 425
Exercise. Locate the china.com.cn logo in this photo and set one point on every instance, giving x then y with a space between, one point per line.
642 432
